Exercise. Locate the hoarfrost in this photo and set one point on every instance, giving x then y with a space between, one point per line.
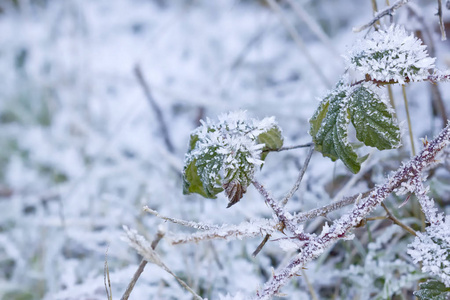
390 54
432 249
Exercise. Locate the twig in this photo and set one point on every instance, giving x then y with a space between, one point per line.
408 118
191 224
300 176
338 230
309 285
397 221
151 100
289 195
245 229
314 27
281 214
441 21
324 210
261 245
298 40
140 244
389 11
289 148
106 278
140 269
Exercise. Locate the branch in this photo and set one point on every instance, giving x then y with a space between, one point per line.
200 226
389 11
226 232
397 221
140 244
441 21
324 210
283 216
151 100
298 40
314 27
300 176
141 267
339 229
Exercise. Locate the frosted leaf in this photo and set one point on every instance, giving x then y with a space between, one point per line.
432 249
224 155
368 110
390 54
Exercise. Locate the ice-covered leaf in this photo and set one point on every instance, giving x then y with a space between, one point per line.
391 55
272 139
224 155
373 119
432 290
374 123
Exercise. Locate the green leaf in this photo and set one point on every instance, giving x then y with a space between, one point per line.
375 125
225 155
329 131
432 290
272 139
192 183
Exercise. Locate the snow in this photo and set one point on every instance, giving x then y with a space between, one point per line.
81 150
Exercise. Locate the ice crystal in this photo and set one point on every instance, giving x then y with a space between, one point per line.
432 249
224 155
391 54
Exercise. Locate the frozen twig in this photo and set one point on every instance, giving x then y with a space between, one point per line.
389 11
141 267
243 230
195 225
300 176
441 21
324 210
397 221
151 100
289 195
283 216
428 206
298 40
340 228
141 245
106 278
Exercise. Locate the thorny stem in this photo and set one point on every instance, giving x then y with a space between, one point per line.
317 245
282 216
397 221
289 195
140 268
389 11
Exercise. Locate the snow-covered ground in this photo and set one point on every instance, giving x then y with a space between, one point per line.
82 149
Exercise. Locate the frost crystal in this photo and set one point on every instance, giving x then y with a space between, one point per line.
432 249
224 155
391 54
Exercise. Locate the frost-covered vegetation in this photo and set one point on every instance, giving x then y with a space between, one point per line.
113 160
